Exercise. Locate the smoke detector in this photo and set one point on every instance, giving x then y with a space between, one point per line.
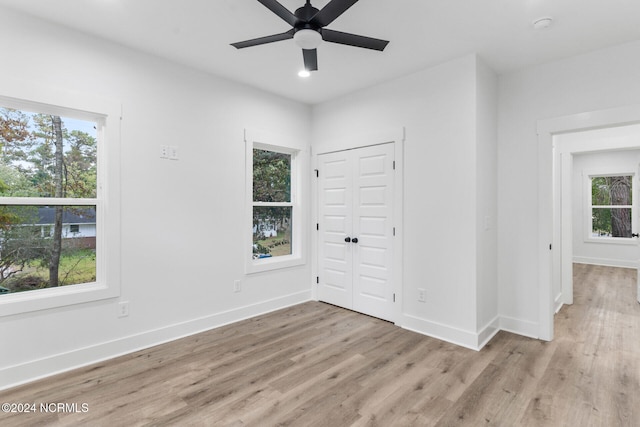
542 23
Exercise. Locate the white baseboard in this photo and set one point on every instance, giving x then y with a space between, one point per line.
488 332
442 332
557 303
606 262
520 327
457 336
33 370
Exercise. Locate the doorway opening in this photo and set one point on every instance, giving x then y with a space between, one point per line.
598 223
555 162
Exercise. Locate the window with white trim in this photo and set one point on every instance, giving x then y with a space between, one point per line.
272 205
273 202
52 207
611 207
48 170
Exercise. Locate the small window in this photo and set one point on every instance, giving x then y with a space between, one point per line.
611 206
273 204
272 207
74 228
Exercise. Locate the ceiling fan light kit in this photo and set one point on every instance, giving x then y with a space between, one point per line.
309 30
307 39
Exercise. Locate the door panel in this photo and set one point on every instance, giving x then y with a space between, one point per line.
356 201
373 226
335 255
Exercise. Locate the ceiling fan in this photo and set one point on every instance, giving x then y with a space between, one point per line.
309 30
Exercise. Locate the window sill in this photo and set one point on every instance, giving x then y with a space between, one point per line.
612 240
269 264
44 299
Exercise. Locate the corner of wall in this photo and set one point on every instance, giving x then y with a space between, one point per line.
519 326
486 195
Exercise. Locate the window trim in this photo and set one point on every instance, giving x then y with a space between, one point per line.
279 144
107 115
588 209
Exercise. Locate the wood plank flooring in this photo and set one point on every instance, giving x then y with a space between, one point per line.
319 365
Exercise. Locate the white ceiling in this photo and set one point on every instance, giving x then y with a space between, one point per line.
422 33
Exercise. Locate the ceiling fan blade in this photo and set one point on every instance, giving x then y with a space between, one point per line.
310 59
264 40
331 11
281 11
353 40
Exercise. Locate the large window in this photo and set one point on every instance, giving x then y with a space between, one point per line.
611 206
273 204
48 187
53 248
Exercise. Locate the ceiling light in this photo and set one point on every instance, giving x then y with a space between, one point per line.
542 23
307 39
304 73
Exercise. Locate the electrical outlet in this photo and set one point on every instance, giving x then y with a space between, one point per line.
237 286
173 152
123 309
164 151
422 297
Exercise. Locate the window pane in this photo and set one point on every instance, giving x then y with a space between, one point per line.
271 231
32 145
271 176
611 222
31 254
611 190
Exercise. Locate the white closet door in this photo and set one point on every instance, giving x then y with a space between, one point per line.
373 227
356 229
336 211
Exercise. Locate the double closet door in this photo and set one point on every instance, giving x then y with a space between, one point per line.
356 231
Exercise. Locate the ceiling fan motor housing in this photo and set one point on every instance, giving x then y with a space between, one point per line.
304 15
307 35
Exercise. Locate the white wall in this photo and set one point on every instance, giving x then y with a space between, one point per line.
599 80
438 108
601 252
182 221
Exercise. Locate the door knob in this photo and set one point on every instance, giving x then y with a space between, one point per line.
347 239
354 240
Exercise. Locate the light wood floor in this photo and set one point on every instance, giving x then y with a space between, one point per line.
318 365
